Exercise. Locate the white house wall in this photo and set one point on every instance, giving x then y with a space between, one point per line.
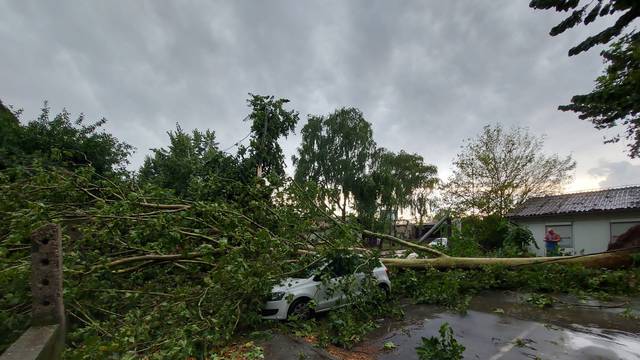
591 233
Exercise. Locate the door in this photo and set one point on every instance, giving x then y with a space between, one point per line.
334 279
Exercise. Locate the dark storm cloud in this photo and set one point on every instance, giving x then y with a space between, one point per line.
426 74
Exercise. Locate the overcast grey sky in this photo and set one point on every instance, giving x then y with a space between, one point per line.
426 74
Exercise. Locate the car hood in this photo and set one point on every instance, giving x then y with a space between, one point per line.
290 283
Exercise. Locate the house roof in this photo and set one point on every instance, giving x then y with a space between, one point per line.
624 198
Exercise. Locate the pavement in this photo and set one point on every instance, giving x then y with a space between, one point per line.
282 346
493 337
501 325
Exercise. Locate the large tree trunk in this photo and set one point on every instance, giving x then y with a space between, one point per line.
613 259
408 244
610 259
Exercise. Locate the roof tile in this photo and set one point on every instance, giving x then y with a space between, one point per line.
601 200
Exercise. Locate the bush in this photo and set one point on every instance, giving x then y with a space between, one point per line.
454 288
60 141
491 235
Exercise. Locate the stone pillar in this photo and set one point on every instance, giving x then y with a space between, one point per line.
44 340
46 276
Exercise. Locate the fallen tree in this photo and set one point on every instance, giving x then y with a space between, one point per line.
178 261
609 259
214 261
204 267
408 244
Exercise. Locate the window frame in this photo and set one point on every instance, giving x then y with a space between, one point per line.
613 222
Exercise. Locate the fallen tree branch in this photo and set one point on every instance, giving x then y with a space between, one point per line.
132 292
161 211
202 236
134 267
430 250
287 274
166 206
153 258
196 262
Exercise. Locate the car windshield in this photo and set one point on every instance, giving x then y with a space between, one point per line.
338 266
312 270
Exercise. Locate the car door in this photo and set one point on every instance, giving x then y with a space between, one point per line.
349 280
330 293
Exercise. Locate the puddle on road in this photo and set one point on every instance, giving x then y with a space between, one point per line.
567 310
557 333
617 344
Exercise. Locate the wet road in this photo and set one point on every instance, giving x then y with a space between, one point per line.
498 325
502 326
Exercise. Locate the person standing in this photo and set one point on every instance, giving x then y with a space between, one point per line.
551 240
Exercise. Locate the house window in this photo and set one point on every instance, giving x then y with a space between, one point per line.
619 228
566 234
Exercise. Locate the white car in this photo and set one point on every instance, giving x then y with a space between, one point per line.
441 241
294 296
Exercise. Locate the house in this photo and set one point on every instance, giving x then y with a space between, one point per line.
586 222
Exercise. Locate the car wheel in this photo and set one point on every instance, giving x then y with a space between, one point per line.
300 309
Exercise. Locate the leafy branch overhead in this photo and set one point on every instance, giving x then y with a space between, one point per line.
615 101
586 12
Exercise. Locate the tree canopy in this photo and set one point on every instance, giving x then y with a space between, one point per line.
335 153
398 179
339 154
269 122
60 141
615 101
586 12
188 160
616 97
195 168
501 168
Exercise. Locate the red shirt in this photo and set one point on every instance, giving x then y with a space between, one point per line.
552 237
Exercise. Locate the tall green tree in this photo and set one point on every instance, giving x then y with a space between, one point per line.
10 131
334 153
500 169
424 202
269 122
188 158
60 141
615 101
338 153
398 177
